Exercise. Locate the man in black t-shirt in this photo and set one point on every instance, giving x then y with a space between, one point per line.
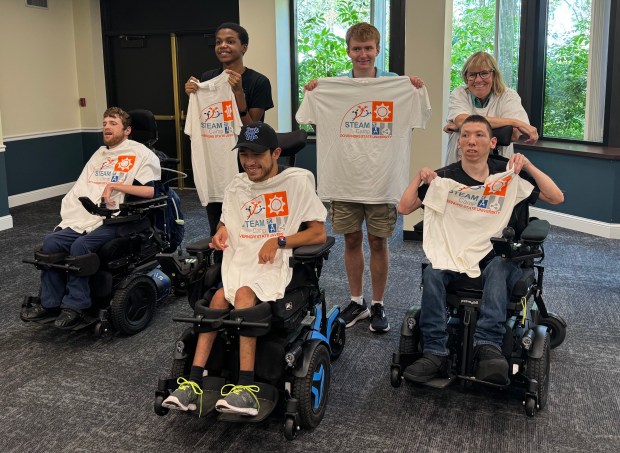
252 89
475 142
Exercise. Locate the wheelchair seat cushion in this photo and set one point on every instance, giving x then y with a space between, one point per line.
288 311
468 284
127 229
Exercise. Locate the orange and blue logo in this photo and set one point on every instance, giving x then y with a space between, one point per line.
369 119
216 120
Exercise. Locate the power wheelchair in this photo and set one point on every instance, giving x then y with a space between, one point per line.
297 337
126 282
530 330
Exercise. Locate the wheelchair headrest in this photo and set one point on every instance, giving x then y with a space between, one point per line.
292 142
143 127
503 135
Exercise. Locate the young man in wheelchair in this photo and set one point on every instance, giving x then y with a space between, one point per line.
263 210
121 167
464 245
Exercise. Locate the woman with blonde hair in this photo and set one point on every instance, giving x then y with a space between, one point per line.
485 94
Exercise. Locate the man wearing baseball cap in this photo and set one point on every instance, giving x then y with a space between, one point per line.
262 211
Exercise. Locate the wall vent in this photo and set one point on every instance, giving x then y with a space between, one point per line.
37 3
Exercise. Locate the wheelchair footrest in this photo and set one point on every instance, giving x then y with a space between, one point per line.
267 398
487 383
439 383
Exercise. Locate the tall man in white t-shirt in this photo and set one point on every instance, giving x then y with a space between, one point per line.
122 167
348 217
261 215
474 170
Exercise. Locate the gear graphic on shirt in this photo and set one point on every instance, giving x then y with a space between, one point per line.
382 111
276 205
125 164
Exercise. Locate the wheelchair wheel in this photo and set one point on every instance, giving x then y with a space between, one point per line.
539 369
337 338
159 409
132 307
557 328
311 390
290 430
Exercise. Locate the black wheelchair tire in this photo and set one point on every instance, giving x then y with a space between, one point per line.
132 307
530 406
337 338
539 369
310 417
557 329
395 377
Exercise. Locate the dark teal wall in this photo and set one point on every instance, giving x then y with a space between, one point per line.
38 163
4 202
591 186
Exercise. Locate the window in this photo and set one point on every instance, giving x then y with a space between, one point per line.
320 39
486 25
575 73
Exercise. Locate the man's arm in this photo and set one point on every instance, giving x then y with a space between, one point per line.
315 233
410 201
549 191
137 191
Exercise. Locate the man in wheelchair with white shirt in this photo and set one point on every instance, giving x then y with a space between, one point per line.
499 275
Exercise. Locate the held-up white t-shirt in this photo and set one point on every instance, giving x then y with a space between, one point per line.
364 130
124 163
460 220
256 212
213 123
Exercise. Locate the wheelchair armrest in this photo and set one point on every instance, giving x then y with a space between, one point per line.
143 204
306 252
536 231
199 246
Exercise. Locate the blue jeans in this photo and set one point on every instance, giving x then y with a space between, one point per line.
70 290
499 278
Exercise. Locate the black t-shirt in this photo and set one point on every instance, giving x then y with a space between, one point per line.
497 164
256 87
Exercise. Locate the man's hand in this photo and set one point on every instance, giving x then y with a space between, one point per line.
518 162
416 81
191 86
107 195
234 79
311 85
219 239
267 253
427 175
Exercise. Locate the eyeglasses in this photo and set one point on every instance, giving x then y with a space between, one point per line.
483 75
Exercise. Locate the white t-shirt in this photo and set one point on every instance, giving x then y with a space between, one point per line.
125 163
506 105
213 123
460 220
255 212
364 129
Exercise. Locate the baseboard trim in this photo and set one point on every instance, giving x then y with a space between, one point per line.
40 194
6 222
581 224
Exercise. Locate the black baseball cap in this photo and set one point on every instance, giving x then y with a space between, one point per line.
259 137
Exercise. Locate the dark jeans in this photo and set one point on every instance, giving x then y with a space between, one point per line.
499 278
72 291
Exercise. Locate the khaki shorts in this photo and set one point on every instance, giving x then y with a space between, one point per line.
347 217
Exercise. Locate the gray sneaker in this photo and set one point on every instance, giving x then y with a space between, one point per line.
241 399
187 397
354 312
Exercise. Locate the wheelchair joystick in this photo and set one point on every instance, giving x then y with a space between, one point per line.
509 233
103 204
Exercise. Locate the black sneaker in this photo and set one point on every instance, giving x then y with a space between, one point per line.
490 364
354 312
37 312
378 320
426 368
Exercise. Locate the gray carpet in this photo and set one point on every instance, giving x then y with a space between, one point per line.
74 392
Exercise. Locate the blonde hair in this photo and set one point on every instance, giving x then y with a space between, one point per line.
482 60
363 32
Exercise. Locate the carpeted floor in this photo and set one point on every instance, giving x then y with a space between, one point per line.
74 392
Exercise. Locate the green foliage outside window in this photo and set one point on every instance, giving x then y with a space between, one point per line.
321 47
